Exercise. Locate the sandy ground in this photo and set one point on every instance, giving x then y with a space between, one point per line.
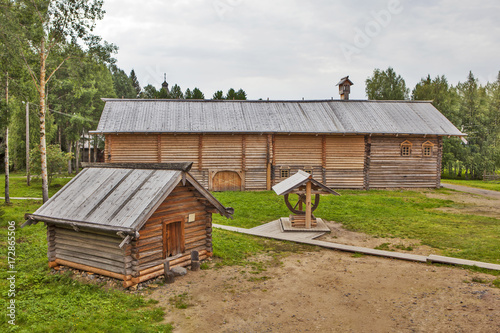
331 291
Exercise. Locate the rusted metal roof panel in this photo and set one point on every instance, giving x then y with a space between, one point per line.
326 117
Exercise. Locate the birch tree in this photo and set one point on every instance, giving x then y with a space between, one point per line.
45 34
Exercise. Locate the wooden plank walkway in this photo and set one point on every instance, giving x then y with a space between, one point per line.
273 230
473 190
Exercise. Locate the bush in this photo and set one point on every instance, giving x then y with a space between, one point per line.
57 160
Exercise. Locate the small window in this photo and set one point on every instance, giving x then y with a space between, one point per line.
285 173
308 170
427 149
406 148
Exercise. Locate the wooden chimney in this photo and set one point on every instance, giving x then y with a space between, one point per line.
344 88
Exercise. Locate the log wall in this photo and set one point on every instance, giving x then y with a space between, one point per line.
91 249
389 169
197 235
345 158
351 161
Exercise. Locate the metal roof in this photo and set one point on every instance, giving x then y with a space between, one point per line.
324 117
115 198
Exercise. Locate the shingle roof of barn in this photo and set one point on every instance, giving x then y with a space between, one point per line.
325 117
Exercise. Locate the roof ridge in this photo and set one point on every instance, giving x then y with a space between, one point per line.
261 101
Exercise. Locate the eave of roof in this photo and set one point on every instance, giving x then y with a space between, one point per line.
277 117
113 198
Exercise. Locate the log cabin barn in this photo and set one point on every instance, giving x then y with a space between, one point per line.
253 145
125 221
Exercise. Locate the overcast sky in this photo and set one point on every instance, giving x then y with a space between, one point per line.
290 49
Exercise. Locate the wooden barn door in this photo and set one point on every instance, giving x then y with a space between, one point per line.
226 181
173 239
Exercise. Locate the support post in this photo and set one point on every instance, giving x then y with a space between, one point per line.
195 261
308 205
169 276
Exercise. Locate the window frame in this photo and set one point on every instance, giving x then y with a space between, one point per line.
427 145
406 148
284 171
309 170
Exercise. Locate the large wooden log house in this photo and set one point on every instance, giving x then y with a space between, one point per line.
252 145
126 221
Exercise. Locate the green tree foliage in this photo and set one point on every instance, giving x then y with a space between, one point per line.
493 114
197 94
135 83
386 85
124 88
475 110
56 161
149 92
241 95
218 95
75 98
188 94
163 94
176 92
445 99
231 94
45 34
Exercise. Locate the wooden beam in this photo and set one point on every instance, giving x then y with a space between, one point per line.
81 224
200 152
243 152
182 166
323 158
367 162
92 269
308 205
158 148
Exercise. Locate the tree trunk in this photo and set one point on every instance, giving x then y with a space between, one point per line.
90 150
43 145
7 185
77 160
95 148
70 161
28 176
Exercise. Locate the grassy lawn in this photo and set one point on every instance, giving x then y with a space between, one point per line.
57 303
397 213
493 185
18 187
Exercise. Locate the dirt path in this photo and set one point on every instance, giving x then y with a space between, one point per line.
330 291
473 190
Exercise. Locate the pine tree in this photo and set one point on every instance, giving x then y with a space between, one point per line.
176 92
197 94
218 95
135 82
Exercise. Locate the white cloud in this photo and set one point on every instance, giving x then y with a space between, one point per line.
291 49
